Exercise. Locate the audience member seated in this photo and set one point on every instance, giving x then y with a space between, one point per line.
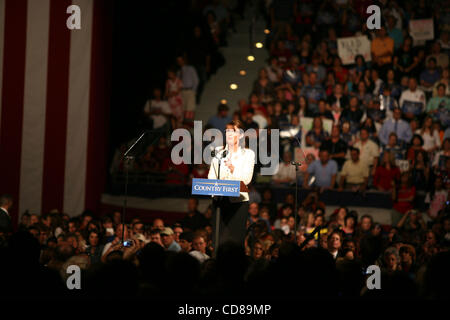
355 173
286 173
387 174
323 170
400 127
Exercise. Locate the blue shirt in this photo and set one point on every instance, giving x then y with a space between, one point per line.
430 76
219 123
403 131
315 92
323 173
397 35
189 77
447 133
174 246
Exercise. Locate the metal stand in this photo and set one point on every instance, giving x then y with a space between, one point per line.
217 212
127 159
296 164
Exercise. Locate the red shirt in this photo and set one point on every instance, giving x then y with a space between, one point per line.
383 177
340 75
255 107
404 193
176 174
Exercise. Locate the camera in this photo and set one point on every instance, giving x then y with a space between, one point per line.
128 243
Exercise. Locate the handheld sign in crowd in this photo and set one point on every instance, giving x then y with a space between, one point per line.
214 187
421 29
350 47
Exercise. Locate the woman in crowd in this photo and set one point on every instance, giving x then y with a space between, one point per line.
386 173
416 146
430 136
173 95
404 196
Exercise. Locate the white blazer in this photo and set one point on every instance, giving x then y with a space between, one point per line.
243 161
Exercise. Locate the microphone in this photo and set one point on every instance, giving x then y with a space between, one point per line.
214 153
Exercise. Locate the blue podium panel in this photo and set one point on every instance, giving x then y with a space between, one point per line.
214 187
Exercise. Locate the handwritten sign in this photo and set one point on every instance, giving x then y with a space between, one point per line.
349 48
403 165
306 123
421 29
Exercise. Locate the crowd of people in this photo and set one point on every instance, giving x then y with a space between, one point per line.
151 260
381 124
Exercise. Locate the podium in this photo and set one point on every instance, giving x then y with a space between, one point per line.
218 190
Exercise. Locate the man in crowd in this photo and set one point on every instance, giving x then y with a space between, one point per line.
189 77
324 170
286 173
220 120
6 203
400 127
167 238
186 239
412 101
355 173
199 252
369 151
337 148
193 220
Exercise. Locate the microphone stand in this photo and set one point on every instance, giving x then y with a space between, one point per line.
311 236
127 159
296 164
217 212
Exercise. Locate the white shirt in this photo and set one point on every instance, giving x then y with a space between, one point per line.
368 151
158 119
285 171
243 161
430 141
200 256
6 211
416 96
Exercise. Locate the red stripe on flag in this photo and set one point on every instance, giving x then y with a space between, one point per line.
56 111
12 99
98 103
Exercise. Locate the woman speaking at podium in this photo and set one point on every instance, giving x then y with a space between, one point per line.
236 163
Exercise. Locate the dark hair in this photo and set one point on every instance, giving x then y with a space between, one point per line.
441 85
354 149
222 107
188 236
236 123
362 58
5 199
418 137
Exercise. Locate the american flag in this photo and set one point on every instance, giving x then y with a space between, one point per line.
54 89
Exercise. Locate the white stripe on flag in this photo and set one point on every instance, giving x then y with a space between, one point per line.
2 37
78 112
35 91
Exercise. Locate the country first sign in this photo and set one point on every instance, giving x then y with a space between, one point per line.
214 187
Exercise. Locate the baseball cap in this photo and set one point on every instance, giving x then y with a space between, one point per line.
167 231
